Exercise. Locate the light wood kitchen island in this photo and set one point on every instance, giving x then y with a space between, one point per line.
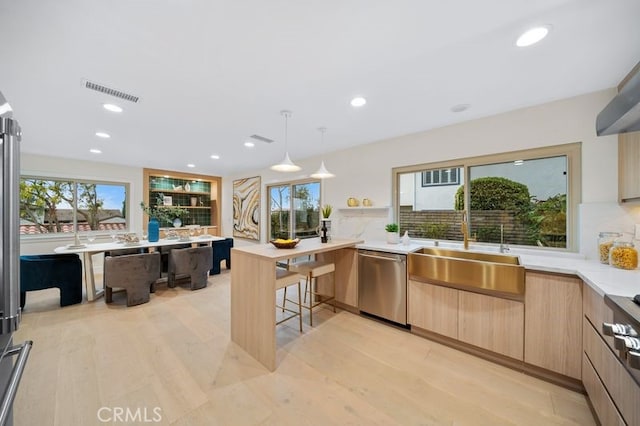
253 295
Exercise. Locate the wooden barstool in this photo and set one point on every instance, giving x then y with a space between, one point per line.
284 279
311 270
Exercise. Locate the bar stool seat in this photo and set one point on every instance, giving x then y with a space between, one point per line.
285 279
311 270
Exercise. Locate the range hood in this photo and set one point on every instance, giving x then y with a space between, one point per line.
622 115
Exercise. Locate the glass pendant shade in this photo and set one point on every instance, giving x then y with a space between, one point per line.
322 172
286 165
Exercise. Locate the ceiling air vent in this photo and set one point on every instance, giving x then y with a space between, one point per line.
109 91
261 138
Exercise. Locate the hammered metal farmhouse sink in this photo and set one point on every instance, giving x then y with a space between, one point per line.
490 273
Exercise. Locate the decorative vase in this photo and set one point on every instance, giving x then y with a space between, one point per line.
153 230
187 187
323 232
177 222
194 201
392 237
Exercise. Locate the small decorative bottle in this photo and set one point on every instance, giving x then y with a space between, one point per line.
153 230
323 235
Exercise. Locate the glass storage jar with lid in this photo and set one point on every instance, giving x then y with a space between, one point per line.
623 255
605 242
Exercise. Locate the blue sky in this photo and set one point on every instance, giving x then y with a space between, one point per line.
112 195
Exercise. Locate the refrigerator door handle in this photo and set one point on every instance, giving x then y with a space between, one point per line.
10 136
16 374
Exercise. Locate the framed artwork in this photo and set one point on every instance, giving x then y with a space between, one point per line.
167 200
246 208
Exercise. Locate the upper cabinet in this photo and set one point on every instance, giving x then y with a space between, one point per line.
198 194
629 167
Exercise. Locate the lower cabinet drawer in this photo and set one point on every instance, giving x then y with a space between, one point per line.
492 323
623 390
602 403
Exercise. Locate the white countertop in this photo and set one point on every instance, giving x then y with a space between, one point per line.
101 247
604 279
304 247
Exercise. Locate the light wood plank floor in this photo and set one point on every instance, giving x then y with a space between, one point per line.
175 354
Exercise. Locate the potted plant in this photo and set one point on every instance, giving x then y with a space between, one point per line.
326 211
392 233
164 214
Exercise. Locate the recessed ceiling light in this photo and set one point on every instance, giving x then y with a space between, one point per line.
249 144
95 151
112 107
215 157
532 36
103 135
460 107
358 101
191 165
518 162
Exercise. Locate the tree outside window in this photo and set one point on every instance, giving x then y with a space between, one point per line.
49 206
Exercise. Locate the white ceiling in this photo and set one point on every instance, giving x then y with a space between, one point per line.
211 73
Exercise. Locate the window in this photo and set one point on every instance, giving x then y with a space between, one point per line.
54 206
525 198
441 177
294 210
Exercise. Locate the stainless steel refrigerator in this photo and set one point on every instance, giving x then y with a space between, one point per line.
11 367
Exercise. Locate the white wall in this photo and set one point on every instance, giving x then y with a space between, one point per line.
365 171
564 121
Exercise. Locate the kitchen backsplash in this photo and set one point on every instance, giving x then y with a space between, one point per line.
596 217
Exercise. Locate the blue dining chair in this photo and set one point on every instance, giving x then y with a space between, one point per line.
221 251
43 271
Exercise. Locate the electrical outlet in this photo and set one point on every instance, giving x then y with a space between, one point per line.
637 231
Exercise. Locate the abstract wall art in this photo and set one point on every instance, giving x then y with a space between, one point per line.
246 208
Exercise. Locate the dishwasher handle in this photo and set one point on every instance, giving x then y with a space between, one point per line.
394 258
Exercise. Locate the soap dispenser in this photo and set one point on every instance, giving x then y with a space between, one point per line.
406 240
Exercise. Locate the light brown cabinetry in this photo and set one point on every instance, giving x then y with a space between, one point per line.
346 276
198 194
491 323
553 323
488 322
629 167
433 308
610 375
600 400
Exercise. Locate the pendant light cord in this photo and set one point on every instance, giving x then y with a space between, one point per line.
322 130
286 114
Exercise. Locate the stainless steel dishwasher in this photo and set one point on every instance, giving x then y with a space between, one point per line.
382 285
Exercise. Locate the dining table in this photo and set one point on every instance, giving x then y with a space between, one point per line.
89 250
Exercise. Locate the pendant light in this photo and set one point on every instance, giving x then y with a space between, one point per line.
322 172
286 165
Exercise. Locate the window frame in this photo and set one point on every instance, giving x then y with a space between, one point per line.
290 184
573 152
439 174
76 180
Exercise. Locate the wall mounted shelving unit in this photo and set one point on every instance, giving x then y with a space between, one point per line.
206 192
